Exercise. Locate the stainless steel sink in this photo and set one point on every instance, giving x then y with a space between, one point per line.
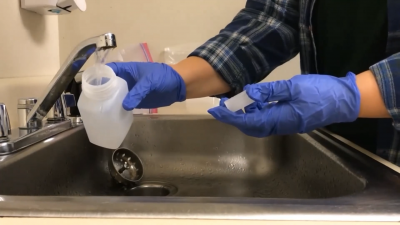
197 167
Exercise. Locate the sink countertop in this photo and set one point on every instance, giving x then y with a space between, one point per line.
43 221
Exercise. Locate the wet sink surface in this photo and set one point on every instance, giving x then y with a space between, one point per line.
198 168
201 158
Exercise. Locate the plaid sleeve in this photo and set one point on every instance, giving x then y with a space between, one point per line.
387 74
261 37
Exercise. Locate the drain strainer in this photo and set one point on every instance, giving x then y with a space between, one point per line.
125 166
152 189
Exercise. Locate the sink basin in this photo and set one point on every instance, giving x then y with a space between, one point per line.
201 158
194 166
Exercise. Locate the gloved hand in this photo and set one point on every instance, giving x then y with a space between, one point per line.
305 102
151 85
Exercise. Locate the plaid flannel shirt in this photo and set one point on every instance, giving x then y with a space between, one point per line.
267 33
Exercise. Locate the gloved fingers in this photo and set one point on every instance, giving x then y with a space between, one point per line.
113 66
242 121
119 68
222 101
252 124
261 105
224 115
127 71
137 94
222 104
270 91
248 109
253 107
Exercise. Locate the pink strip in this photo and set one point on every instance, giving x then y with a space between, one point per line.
147 54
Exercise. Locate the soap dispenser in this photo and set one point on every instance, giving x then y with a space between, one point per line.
53 7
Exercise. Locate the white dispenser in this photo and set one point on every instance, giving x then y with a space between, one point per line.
53 7
100 105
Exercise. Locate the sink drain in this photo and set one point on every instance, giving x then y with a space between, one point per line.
152 189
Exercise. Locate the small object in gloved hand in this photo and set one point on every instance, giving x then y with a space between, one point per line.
304 103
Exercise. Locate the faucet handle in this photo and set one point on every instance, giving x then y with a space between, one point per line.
24 107
69 102
56 113
5 125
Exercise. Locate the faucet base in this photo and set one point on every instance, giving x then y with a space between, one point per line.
22 138
76 120
4 139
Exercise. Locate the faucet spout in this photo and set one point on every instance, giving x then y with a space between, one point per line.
67 73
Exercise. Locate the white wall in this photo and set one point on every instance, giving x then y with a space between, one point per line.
29 54
160 23
33 45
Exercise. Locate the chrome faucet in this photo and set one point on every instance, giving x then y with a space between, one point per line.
5 128
67 73
53 104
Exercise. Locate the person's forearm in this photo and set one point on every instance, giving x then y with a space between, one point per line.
371 104
200 78
242 53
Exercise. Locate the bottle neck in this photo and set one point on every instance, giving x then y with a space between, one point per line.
99 82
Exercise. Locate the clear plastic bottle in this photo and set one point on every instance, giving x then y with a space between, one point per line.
100 105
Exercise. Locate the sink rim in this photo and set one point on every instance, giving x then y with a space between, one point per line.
200 208
355 207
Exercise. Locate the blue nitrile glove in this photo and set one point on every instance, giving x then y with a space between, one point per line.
151 85
305 102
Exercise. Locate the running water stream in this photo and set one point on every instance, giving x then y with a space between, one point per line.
100 59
